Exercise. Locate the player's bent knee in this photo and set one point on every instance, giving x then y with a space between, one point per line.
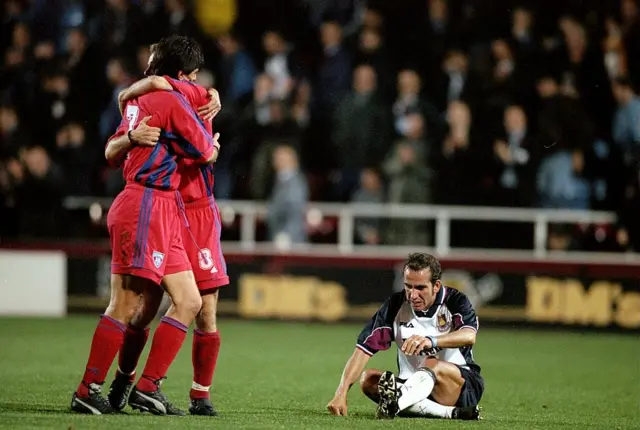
444 371
369 381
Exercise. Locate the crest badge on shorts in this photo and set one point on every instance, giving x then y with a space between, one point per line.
204 259
158 258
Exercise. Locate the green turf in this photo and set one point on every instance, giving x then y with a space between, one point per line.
277 375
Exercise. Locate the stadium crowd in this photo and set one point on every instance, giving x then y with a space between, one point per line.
470 102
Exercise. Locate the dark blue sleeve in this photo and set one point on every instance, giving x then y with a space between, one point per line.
462 312
377 335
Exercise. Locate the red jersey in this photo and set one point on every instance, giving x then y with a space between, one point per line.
182 136
197 180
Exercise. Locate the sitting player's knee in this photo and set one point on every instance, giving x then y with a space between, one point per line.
434 366
369 381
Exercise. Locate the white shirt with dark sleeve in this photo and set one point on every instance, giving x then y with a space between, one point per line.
396 321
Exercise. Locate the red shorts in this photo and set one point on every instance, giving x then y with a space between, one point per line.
144 228
202 242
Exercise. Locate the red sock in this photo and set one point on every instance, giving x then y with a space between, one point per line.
204 356
134 341
105 344
166 343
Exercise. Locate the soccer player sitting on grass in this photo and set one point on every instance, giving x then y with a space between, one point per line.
434 328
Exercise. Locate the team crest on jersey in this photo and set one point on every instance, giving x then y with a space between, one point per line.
158 258
204 259
443 322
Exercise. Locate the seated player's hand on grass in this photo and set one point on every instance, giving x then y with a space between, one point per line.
338 406
211 109
416 344
145 135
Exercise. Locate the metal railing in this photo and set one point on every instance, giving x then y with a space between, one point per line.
250 211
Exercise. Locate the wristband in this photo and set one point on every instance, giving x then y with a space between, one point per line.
130 139
434 341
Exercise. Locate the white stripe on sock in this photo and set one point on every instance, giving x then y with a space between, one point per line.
198 387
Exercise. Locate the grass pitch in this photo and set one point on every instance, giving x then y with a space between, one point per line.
278 375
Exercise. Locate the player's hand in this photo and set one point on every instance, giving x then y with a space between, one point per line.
145 135
338 406
123 98
416 344
211 109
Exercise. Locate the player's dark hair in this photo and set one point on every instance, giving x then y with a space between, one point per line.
419 261
174 54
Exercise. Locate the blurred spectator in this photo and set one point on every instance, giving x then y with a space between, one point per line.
237 71
334 75
560 184
347 13
120 76
371 50
368 230
181 20
514 160
414 134
286 217
39 192
452 83
626 123
53 103
409 182
75 157
277 65
279 130
120 22
360 129
84 65
562 122
457 167
410 101
584 73
12 137
615 59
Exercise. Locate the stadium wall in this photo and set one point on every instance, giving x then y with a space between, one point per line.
33 283
350 288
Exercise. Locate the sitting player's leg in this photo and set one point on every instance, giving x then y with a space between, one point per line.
206 346
369 383
166 343
135 339
107 339
440 380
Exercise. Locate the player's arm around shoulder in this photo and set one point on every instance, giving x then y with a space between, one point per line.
142 87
